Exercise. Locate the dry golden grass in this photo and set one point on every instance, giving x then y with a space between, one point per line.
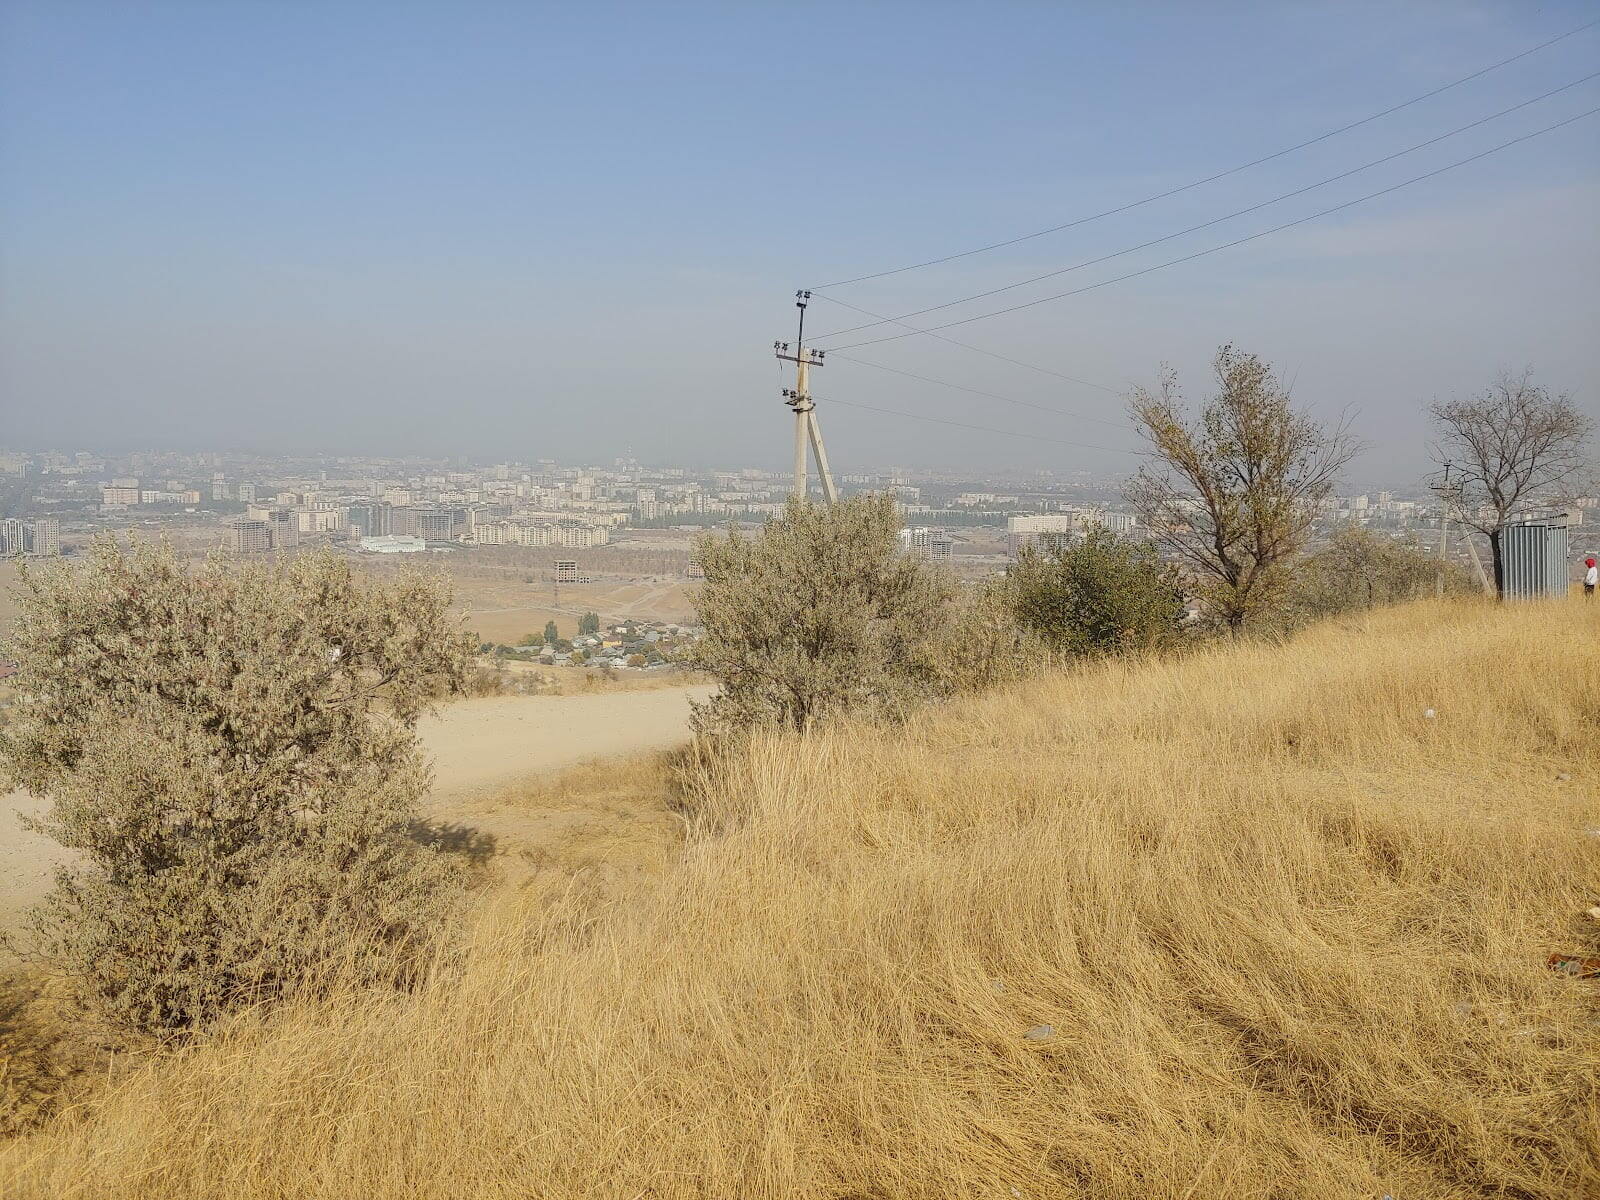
1288 933
601 824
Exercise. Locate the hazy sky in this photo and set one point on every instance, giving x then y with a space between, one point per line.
574 229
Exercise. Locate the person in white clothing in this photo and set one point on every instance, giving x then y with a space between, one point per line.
1591 576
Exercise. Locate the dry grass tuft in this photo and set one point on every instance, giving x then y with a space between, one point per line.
1287 934
609 819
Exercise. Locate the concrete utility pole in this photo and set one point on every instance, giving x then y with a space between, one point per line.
1477 563
799 400
1448 492
1444 546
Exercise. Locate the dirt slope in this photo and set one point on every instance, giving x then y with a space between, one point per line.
478 747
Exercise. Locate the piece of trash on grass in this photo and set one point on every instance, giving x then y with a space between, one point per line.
1040 1033
1594 913
1574 965
997 985
1429 713
1563 777
1549 1032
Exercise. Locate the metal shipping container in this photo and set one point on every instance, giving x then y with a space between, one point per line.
1534 554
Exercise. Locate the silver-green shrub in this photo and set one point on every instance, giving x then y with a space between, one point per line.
817 614
230 748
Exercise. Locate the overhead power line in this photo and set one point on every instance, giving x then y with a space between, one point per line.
969 346
1032 437
1255 162
960 387
1226 245
1238 212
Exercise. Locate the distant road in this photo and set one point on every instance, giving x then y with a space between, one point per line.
475 745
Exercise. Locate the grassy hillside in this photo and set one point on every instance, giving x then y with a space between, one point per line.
1247 924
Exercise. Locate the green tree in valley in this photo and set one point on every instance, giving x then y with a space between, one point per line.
552 635
589 624
1101 595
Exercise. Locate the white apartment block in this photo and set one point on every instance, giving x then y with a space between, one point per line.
1049 531
44 536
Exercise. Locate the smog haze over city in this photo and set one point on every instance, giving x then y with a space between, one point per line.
491 231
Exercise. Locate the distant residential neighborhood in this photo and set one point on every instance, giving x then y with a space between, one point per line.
625 645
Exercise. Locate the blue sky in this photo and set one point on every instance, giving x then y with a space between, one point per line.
575 229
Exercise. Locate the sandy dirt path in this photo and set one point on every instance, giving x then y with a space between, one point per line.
476 745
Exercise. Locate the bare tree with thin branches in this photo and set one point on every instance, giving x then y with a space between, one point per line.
1233 491
1515 444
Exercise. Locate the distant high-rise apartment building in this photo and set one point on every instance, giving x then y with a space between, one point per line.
566 570
44 536
1113 522
321 517
403 520
1053 531
285 528
436 524
13 536
250 536
369 520
247 493
118 496
929 543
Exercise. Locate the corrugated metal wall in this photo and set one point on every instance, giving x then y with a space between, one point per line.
1534 554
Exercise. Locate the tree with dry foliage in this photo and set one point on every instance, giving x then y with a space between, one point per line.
817 614
1514 445
1233 491
230 748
